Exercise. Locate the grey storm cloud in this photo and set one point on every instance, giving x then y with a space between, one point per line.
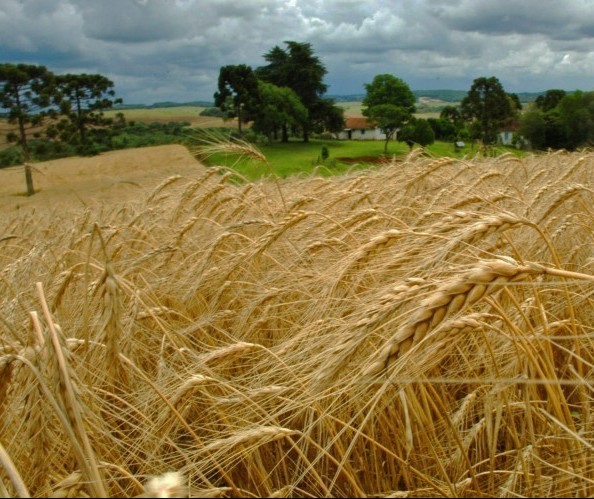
172 49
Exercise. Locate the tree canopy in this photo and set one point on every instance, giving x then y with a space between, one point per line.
237 89
390 103
82 99
277 109
560 120
487 107
298 68
417 131
285 94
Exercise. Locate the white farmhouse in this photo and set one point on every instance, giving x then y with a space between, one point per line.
361 129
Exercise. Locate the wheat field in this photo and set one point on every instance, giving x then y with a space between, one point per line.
420 330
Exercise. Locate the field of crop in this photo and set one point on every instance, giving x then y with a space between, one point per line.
190 114
423 329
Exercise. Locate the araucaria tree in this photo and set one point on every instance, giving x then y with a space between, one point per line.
486 107
83 98
390 103
26 91
237 91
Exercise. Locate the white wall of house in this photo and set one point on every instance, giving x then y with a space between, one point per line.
506 137
363 134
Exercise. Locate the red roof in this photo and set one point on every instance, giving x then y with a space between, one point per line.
358 124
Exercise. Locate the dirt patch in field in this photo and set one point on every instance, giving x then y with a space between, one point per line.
366 159
112 177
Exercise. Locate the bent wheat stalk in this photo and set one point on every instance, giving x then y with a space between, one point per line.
452 297
15 477
457 295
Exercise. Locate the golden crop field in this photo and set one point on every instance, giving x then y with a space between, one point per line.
424 329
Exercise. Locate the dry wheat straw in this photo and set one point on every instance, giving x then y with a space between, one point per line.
243 355
13 474
450 298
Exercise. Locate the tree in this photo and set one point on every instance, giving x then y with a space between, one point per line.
550 99
26 91
277 108
327 117
390 103
299 69
487 107
82 99
417 131
238 89
533 128
576 112
443 129
452 114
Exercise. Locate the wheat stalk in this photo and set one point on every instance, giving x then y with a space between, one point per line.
452 297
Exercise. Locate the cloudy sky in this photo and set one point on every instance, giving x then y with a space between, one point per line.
157 50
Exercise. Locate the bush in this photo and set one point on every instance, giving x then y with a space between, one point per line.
214 112
11 156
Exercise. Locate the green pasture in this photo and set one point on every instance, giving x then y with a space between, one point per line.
297 157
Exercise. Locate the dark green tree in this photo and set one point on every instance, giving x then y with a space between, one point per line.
390 103
417 131
550 99
515 104
533 128
298 68
27 92
576 112
237 91
555 132
487 108
452 114
83 98
327 117
443 129
278 108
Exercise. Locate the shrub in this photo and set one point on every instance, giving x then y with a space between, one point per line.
11 156
214 112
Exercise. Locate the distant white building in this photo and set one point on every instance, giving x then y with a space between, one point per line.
506 137
506 134
361 129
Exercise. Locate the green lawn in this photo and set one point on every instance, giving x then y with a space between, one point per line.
297 157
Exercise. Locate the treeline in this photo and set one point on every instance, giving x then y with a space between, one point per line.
559 120
284 97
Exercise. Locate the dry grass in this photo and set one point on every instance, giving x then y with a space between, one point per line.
424 329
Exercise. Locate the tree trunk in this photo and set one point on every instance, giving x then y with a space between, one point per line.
239 120
80 122
26 158
29 179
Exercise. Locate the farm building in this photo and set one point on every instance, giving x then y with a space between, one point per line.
361 129
505 136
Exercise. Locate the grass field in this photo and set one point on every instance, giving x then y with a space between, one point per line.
297 157
420 329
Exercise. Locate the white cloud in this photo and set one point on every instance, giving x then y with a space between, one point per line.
173 48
